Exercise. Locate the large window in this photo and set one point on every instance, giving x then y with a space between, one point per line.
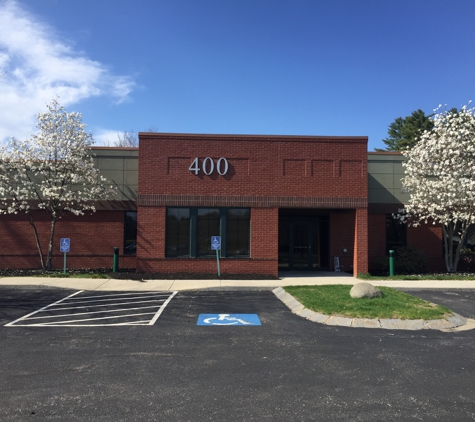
189 231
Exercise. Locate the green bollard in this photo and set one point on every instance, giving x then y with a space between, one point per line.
391 262
115 265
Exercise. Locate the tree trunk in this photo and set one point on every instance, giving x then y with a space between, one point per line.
452 253
50 246
37 239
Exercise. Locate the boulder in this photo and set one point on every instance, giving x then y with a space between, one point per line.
360 290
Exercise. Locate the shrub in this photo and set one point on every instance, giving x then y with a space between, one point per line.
407 260
467 260
410 260
379 266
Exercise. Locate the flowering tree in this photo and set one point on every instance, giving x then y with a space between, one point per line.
53 172
440 177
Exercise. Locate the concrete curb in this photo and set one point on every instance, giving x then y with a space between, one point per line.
452 323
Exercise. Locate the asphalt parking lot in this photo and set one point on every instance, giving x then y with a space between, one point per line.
286 369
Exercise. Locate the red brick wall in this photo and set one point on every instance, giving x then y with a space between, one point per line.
376 235
360 263
342 235
428 238
151 223
258 166
349 230
93 238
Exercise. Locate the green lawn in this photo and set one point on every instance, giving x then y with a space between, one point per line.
336 300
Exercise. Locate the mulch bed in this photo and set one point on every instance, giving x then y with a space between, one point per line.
130 274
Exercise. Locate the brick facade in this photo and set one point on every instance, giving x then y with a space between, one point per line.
322 181
93 238
264 174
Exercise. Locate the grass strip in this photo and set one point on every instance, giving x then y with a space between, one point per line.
457 276
336 300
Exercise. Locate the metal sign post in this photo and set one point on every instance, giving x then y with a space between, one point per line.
216 246
64 245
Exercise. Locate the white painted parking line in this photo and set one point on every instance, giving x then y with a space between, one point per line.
42 309
101 306
64 323
77 310
152 321
94 312
110 299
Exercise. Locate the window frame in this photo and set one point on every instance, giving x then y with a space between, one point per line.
127 237
223 232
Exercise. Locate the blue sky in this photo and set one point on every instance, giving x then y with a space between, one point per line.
296 67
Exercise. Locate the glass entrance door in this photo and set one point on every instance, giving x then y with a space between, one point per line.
301 245
303 242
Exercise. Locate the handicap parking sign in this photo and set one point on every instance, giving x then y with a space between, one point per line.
215 243
64 244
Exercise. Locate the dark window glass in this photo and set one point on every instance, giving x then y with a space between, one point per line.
237 237
130 232
395 233
208 225
470 238
178 232
189 231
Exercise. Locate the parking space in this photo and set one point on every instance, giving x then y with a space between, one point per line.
91 309
460 301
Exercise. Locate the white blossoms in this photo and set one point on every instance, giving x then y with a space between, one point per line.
52 171
440 177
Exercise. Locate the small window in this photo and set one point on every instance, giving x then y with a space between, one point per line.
130 233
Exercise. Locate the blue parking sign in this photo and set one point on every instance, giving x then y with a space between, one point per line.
215 243
64 244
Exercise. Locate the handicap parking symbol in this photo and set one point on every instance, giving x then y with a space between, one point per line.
215 243
64 244
228 319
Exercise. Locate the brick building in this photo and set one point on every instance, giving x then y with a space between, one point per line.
278 202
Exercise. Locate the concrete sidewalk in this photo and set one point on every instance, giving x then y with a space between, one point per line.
286 279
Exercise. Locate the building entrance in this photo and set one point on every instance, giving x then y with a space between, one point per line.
303 242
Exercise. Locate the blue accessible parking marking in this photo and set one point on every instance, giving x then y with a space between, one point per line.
228 319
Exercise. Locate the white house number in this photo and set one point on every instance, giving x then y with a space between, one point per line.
208 166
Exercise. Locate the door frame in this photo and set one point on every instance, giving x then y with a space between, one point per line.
305 222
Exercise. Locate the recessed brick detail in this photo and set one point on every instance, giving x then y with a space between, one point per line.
248 201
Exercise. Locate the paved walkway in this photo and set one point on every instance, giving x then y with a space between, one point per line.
287 279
